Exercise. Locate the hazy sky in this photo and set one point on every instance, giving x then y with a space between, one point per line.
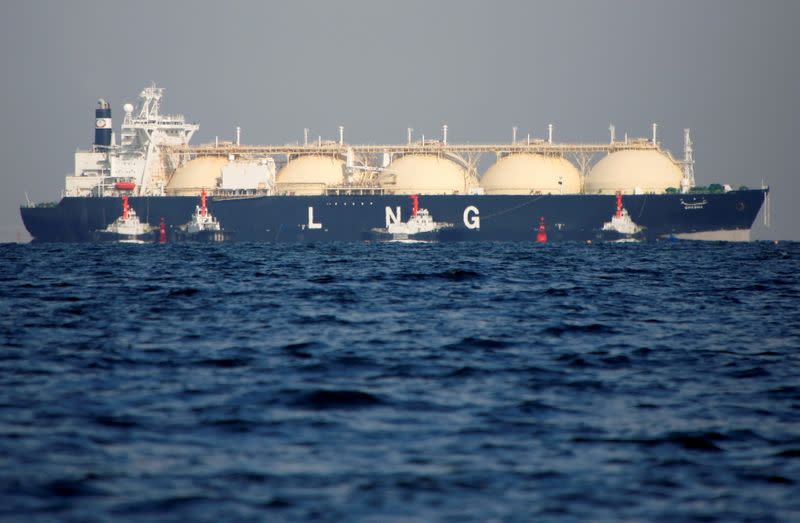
727 69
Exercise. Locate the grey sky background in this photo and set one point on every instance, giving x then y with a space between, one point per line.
727 69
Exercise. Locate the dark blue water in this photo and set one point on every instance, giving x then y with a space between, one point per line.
353 382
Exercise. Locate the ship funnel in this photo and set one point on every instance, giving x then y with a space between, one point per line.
102 124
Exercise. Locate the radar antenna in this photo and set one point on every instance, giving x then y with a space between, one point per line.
151 102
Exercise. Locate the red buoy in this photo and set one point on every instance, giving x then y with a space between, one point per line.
124 186
162 233
203 209
619 204
415 204
125 207
541 234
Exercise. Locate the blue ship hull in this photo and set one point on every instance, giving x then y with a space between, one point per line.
353 218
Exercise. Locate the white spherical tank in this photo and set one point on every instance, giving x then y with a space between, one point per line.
425 174
633 172
531 174
310 175
195 175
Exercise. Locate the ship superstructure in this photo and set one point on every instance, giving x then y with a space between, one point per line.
141 157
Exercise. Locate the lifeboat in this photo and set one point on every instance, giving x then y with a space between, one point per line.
124 186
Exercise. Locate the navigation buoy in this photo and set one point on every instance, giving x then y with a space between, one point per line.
162 233
125 207
203 208
541 234
619 205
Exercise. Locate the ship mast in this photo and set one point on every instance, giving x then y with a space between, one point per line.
151 103
688 163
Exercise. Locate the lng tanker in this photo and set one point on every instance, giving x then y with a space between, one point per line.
329 190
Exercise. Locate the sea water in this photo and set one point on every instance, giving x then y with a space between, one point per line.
400 382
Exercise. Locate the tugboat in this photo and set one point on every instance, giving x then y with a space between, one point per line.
126 229
621 228
203 226
419 228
